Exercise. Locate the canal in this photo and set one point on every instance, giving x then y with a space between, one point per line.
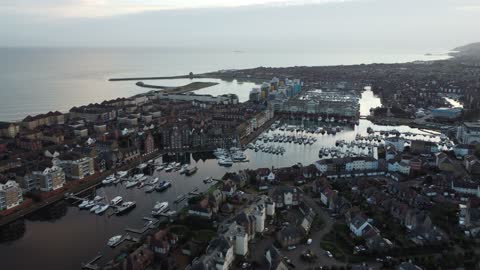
63 237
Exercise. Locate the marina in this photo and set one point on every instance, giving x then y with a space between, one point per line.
96 230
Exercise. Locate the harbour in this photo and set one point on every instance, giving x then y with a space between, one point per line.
95 230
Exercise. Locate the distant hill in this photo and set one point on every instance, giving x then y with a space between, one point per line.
469 50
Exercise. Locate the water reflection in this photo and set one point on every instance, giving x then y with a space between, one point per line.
12 231
51 213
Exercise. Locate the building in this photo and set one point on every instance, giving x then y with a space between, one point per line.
402 167
9 130
10 195
222 99
423 147
219 256
346 165
397 142
469 133
275 259
286 196
315 103
462 150
49 179
48 119
148 144
464 187
472 164
75 166
359 225
447 113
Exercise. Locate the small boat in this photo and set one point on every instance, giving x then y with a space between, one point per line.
164 185
122 174
131 183
159 208
98 198
82 204
94 208
160 168
102 208
227 162
183 169
149 189
89 204
169 168
108 180
153 181
191 171
208 180
124 207
114 241
116 200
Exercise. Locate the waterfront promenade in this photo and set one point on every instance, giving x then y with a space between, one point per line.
79 187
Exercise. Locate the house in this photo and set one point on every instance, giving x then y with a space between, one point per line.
9 130
443 162
286 196
423 147
275 259
10 195
219 256
309 172
141 258
465 187
469 133
162 241
262 174
201 209
402 167
417 219
462 150
289 236
229 188
471 164
416 164
240 178
359 225
378 243
397 142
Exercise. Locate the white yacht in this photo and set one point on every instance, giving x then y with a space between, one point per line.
112 242
102 208
116 200
131 183
159 208
225 162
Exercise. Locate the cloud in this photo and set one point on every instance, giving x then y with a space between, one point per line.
102 8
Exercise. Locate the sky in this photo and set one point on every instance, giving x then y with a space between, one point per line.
241 24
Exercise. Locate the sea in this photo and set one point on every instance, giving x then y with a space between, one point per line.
39 80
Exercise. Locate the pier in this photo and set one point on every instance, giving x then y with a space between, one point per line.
142 230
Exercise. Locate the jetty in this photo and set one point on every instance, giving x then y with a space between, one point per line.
145 228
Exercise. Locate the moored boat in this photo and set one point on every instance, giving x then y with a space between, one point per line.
114 241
